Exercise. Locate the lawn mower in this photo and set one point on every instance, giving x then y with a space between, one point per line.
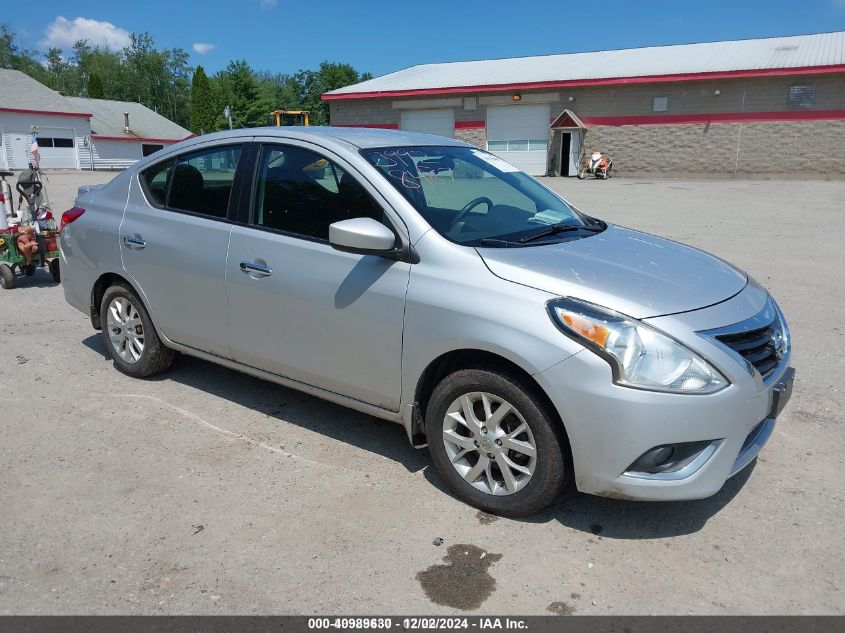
598 165
38 227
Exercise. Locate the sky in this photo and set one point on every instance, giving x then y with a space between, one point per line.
381 37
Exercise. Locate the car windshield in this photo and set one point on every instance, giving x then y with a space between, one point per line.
475 198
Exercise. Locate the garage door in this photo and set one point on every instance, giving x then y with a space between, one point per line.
520 135
440 122
58 148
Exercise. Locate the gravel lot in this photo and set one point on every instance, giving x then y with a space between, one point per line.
207 491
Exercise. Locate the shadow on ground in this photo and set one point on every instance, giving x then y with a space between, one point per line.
40 279
287 405
608 518
630 520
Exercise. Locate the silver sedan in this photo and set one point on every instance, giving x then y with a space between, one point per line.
419 279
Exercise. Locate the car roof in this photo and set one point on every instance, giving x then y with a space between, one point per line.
361 137
365 137
339 137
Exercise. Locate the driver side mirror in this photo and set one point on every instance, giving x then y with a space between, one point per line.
365 236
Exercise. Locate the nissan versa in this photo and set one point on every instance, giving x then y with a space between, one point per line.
422 280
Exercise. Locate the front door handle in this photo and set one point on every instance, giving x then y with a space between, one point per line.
256 269
134 241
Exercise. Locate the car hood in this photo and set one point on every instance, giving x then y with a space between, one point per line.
634 273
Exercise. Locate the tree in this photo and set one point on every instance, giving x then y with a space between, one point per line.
95 87
203 107
14 57
112 71
237 87
161 79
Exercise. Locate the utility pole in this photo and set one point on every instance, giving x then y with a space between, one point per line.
227 112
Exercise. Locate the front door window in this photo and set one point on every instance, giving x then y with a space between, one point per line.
301 193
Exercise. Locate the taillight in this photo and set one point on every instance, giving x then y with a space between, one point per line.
71 215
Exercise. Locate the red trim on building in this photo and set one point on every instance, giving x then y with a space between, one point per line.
717 117
98 137
83 115
608 81
381 126
649 119
470 125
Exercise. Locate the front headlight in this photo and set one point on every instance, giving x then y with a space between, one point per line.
640 356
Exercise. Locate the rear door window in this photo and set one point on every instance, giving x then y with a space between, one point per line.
202 181
156 180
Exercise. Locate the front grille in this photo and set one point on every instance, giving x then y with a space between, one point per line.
762 347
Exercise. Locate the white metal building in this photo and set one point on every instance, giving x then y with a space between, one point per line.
25 103
123 132
75 133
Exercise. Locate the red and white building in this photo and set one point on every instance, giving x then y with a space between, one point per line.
772 106
75 133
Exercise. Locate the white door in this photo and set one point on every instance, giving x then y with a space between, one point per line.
439 121
575 153
19 146
520 135
58 148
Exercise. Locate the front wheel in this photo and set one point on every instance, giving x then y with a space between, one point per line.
496 442
129 335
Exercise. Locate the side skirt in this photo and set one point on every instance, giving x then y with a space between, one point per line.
352 403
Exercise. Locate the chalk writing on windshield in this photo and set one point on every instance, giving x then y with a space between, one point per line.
400 165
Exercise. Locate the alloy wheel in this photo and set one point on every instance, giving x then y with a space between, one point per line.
489 443
125 329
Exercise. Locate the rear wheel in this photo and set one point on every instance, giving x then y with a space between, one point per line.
129 335
29 270
55 271
7 277
496 442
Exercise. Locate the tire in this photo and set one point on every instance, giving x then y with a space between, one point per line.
29 271
55 271
521 493
7 277
135 353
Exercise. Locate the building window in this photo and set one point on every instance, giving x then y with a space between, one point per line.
660 104
801 97
147 149
518 145
54 142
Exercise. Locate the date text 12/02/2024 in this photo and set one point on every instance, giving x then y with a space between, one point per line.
417 623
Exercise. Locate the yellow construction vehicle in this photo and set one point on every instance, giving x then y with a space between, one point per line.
281 118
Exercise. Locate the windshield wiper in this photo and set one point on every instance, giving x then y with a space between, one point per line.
490 241
561 228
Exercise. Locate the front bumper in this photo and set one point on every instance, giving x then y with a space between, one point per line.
610 427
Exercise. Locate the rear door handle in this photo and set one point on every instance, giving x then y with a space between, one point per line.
256 269
134 241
